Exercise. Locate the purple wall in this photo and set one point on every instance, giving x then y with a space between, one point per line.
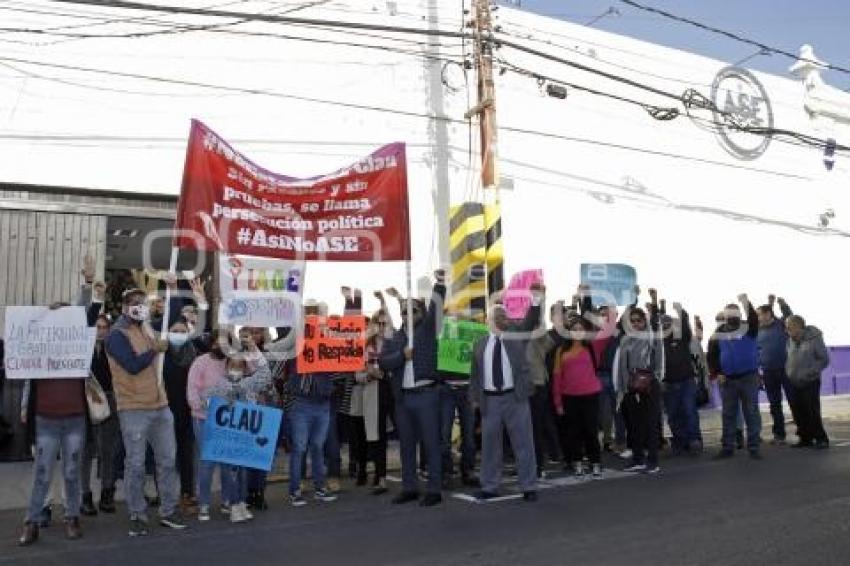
835 380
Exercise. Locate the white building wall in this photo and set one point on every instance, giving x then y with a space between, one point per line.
618 186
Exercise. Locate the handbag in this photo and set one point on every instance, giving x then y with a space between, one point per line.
640 381
97 402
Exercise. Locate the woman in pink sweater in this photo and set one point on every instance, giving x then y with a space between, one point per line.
575 393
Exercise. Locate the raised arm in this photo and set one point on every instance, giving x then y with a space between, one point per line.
752 315
784 308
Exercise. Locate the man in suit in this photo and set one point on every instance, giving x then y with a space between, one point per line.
501 385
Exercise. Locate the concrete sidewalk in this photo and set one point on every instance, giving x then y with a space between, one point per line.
16 477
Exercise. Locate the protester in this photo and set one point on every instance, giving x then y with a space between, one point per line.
544 427
414 381
575 393
56 410
636 380
807 358
108 432
501 386
773 343
133 356
240 382
377 396
310 420
178 359
679 382
733 360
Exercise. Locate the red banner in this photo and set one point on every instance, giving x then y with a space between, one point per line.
227 203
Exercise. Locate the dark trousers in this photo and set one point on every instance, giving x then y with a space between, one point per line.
377 450
775 382
357 446
184 436
545 427
642 415
455 400
417 419
806 399
740 395
680 401
581 425
333 460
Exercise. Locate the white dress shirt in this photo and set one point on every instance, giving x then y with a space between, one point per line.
507 372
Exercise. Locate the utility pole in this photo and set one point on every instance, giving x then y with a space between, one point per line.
486 107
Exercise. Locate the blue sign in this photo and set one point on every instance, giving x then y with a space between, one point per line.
610 282
241 434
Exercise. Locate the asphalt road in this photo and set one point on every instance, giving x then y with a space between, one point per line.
791 508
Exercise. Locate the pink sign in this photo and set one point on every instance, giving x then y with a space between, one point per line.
517 297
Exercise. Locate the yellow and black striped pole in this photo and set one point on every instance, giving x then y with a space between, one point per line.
468 245
495 251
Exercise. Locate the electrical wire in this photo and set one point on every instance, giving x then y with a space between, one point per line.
731 35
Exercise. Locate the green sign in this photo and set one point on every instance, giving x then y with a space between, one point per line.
457 341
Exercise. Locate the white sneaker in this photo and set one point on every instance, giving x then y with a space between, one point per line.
626 454
247 512
636 468
653 469
578 469
225 509
597 472
204 513
236 514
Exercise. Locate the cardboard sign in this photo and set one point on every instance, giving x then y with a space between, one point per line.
610 282
457 340
230 204
517 297
259 291
47 344
333 344
241 434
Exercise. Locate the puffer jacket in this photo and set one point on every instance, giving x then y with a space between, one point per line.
806 358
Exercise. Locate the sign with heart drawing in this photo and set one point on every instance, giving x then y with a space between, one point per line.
241 434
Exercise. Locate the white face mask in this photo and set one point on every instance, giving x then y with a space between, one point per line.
139 313
177 339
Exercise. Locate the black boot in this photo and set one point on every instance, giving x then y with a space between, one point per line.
87 508
260 501
107 501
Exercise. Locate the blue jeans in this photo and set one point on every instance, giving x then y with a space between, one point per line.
680 402
741 394
775 381
141 427
52 437
206 469
417 420
451 399
310 421
235 490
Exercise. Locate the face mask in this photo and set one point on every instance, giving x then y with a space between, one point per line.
139 313
177 339
234 374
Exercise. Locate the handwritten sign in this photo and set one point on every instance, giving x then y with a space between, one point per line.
517 297
333 344
241 434
47 344
610 282
259 292
457 340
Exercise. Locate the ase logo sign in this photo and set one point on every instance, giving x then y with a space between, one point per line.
739 98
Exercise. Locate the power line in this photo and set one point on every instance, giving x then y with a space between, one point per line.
731 35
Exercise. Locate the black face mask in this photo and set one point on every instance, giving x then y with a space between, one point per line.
733 323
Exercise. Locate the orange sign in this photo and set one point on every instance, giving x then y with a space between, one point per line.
333 344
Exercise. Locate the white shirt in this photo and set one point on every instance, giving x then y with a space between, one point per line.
507 372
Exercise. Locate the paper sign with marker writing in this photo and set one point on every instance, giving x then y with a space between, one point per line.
456 344
241 434
260 291
332 344
610 282
517 297
47 344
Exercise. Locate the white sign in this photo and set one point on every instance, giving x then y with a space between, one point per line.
46 344
259 291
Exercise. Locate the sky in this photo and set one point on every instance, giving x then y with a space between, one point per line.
783 24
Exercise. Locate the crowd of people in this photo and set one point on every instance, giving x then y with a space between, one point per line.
592 381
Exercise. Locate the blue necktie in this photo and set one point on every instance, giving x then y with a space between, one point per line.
498 376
